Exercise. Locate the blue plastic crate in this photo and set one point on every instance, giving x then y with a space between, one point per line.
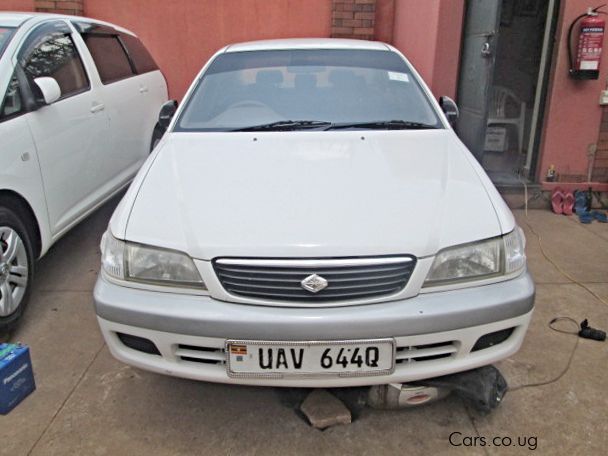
16 376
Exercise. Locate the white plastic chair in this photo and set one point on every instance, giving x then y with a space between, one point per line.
497 112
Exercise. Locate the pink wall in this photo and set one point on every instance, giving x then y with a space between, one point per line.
429 35
16 5
183 35
447 50
573 114
415 33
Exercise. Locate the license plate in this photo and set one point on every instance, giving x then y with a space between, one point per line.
278 359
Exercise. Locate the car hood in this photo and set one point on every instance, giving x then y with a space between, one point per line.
311 194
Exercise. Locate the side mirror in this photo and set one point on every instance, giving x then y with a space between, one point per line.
167 111
450 109
51 92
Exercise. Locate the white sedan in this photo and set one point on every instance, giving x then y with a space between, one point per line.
311 219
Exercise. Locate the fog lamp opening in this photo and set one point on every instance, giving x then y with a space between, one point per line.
491 339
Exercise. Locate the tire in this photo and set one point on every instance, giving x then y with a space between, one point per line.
157 135
16 271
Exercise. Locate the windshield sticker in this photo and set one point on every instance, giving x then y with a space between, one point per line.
394 76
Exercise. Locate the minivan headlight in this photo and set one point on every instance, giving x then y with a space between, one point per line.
147 264
480 260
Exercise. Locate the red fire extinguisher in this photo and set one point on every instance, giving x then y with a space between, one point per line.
589 46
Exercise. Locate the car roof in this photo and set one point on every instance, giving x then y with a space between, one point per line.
15 19
306 43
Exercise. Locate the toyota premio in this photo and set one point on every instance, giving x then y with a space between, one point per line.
311 219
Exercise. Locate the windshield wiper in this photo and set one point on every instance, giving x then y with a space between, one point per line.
286 125
384 125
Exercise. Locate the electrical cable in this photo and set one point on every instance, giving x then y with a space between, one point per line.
570 358
556 319
564 273
553 263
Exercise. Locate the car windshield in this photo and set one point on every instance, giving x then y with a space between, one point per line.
307 89
5 36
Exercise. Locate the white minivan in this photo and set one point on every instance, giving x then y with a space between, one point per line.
78 105
311 219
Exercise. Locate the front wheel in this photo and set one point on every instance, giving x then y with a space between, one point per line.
16 268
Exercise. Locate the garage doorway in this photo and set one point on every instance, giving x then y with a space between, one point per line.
505 62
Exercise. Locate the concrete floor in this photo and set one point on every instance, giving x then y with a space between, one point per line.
89 404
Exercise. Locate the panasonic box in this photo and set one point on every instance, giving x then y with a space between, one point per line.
16 376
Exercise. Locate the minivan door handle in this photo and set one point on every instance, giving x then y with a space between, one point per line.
97 107
143 89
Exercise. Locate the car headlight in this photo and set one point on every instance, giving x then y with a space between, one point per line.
147 264
481 260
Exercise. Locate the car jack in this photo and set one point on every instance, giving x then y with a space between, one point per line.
482 388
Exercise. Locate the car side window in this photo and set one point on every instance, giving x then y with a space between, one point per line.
141 58
12 104
109 57
57 57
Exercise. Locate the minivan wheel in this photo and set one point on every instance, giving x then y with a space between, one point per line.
157 135
16 269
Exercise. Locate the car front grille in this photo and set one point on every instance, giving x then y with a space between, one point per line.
347 278
200 354
427 352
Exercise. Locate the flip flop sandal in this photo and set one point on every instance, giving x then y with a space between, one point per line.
585 217
557 200
568 203
600 216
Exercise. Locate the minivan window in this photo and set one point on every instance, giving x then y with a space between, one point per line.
12 104
109 57
57 57
141 58
5 36
334 86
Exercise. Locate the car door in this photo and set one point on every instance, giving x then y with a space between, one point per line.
125 98
152 88
70 133
19 167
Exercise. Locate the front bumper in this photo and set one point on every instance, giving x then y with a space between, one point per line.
190 331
